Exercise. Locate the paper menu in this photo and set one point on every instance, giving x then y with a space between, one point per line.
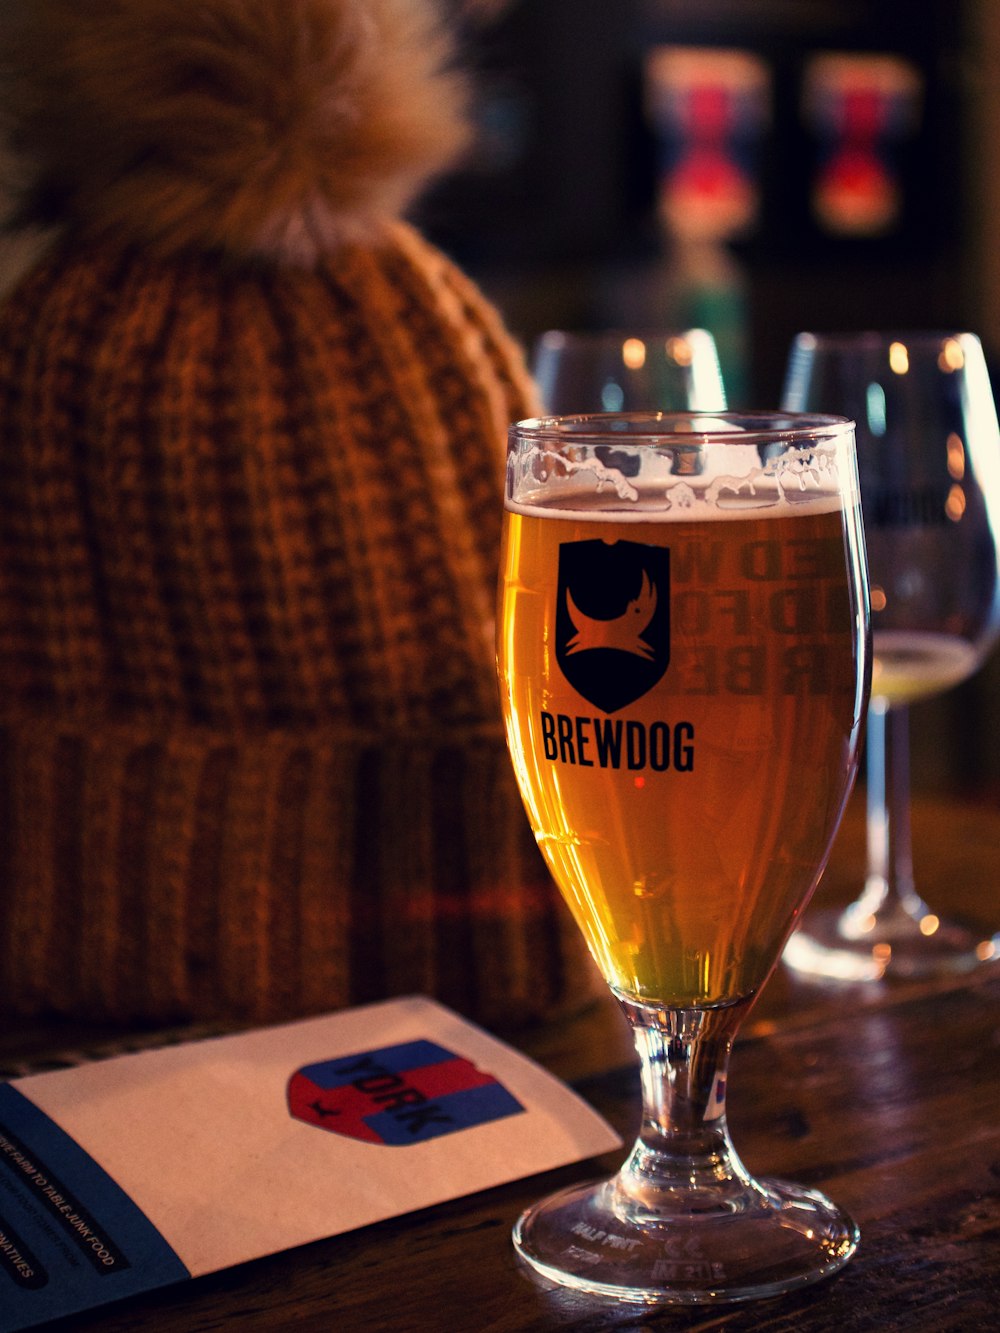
129 1173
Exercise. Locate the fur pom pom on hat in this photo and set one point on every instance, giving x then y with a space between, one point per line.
251 763
250 127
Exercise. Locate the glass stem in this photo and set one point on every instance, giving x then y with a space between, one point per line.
684 1143
889 887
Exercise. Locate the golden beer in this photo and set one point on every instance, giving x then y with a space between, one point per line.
684 826
683 660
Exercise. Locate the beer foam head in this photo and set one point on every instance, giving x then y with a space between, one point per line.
718 470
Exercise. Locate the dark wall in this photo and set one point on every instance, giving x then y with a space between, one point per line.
555 214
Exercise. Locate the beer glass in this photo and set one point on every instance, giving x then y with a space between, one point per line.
683 659
661 371
929 463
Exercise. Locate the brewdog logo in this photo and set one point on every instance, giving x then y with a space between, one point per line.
398 1094
613 619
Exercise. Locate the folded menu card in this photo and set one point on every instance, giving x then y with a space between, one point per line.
129 1173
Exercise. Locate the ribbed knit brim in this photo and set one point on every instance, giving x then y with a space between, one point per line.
251 763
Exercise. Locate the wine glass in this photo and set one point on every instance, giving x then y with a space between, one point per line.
608 371
929 463
683 661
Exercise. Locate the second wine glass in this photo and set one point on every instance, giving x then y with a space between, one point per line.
929 464
653 371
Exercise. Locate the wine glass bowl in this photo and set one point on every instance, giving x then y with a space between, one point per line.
929 466
682 651
616 371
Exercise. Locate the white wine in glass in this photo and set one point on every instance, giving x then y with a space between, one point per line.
929 463
683 660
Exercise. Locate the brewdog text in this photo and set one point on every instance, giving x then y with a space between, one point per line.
602 742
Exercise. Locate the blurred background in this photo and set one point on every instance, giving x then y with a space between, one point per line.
770 164
755 167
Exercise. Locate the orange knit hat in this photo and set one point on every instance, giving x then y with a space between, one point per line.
252 423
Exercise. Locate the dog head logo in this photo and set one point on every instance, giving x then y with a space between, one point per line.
398 1094
613 619
623 632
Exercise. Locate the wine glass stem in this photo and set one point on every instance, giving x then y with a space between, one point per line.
684 1142
889 887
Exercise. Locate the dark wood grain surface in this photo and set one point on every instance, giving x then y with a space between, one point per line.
885 1096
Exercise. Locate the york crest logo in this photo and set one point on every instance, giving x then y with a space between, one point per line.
398 1094
613 619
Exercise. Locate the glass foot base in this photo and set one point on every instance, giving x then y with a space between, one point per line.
845 946
770 1237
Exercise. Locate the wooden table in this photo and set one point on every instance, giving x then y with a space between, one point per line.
885 1096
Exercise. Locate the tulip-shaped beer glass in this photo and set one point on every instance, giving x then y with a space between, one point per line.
929 462
683 658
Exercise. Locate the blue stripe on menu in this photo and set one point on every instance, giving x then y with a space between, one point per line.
70 1237
398 1059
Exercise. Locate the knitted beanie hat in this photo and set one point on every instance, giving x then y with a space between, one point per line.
251 762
